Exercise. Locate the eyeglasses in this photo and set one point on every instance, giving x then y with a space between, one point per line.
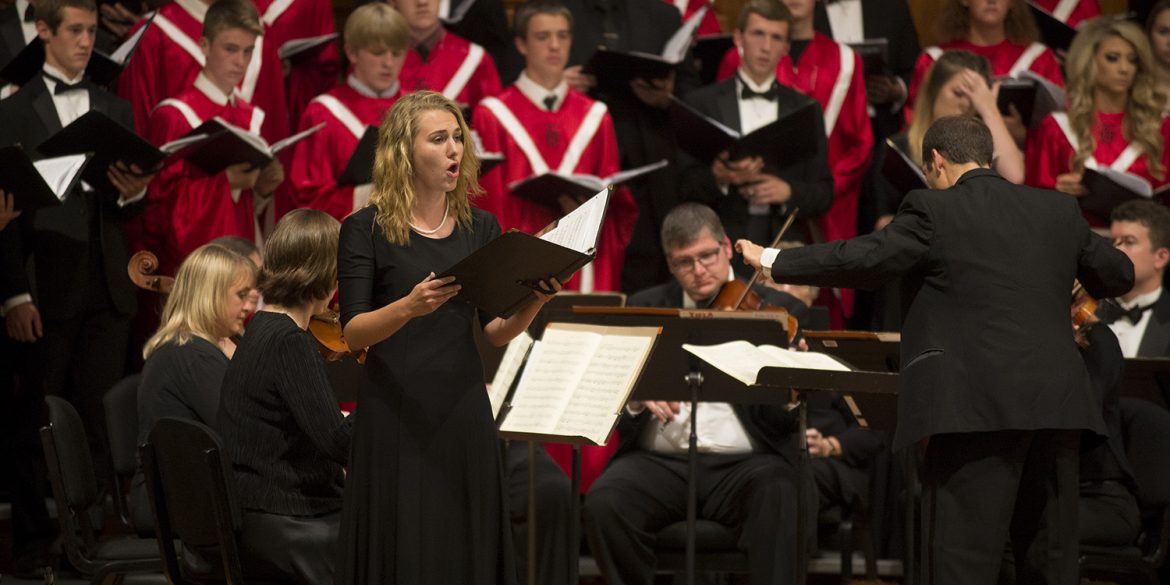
686 264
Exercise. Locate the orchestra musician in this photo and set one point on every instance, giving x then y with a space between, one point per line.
187 356
1141 317
991 387
277 414
424 498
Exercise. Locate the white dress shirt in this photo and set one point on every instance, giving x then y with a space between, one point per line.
537 93
755 113
1129 335
845 21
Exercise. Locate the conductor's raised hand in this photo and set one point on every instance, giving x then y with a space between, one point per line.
430 294
750 251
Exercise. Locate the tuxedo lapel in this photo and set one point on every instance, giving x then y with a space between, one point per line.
42 103
1156 339
729 105
10 33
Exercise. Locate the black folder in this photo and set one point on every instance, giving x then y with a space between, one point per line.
709 50
20 178
875 55
299 49
790 138
223 145
548 187
617 69
1106 193
102 69
901 172
109 141
360 168
1030 97
1054 33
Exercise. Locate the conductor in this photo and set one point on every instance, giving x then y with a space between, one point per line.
992 387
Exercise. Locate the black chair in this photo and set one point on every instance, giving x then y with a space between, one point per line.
75 488
187 477
1146 431
121 407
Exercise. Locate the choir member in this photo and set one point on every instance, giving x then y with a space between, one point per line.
170 57
316 71
17 29
376 38
442 61
1158 30
746 455
709 25
1114 116
1003 32
277 415
752 198
188 208
67 303
1070 12
541 125
187 356
424 499
1141 317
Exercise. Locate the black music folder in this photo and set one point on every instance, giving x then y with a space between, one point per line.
499 277
41 184
900 171
1032 95
1109 188
546 188
709 50
216 145
360 168
298 49
875 55
616 69
108 141
1053 32
788 139
102 69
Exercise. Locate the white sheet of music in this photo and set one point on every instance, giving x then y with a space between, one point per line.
509 367
603 388
59 172
743 361
554 367
579 229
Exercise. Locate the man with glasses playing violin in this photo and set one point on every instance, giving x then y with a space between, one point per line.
746 453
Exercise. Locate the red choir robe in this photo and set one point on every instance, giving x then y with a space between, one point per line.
457 68
710 23
186 208
312 74
1071 12
168 59
319 160
1006 58
1050 152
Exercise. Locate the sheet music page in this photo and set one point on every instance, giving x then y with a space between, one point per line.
607 381
301 45
253 139
589 181
579 229
680 41
743 361
1130 181
809 360
59 172
123 51
555 365
623 176
509 367
178 143
295 138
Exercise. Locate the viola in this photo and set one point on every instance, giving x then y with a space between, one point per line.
736 295
1084 312
142 268
326 327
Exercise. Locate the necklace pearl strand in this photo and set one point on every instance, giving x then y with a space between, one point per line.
442 222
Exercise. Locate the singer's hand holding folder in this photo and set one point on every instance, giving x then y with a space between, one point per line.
781 143
44 183
500 277
216 145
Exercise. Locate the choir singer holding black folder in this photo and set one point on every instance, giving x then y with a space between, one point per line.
424 499
992 387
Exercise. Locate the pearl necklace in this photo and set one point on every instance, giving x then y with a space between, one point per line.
442 222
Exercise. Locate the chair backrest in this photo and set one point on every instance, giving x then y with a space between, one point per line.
121 406
188 477
67 451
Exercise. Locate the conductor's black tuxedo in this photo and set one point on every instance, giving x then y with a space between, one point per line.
989 370
811 181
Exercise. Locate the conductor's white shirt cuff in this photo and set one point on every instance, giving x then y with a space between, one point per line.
766 260
14 302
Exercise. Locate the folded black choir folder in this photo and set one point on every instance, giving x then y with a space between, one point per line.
108 141
1053 32
1033 96
1109 188
102 69
875 55
297 49
41 184
618 68
789 139
360 168
709 51
216 145
499 277
547 187
901 172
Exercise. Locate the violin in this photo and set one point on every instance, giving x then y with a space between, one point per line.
326 327
1084 312
142 268
736 295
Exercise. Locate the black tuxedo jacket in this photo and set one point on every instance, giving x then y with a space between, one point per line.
811 181
986 267
11 35
57 241
771 427
1156 339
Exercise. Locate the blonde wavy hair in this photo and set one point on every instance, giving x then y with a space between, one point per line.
393 193
196 305
950 64
1143 108
954 22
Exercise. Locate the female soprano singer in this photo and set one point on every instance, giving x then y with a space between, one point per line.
278 417
424 501
187 356
1158 30
1114 116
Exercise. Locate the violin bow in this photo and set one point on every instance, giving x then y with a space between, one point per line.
775 242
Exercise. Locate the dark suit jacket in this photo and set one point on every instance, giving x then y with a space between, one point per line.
11 36
1156 339
987 264
57 241
812 183
771 427
890 20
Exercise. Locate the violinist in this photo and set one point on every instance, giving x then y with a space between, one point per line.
741 449
1141 317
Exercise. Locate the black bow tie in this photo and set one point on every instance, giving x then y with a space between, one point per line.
770 94
550 101
63 87
1109 311
30 14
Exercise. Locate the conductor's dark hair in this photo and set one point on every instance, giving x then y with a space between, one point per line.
52 12
959 139
300 259
768 9
1154 216
685 224
533 7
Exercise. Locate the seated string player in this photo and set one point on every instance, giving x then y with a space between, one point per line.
1141 317
186 208
376 38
